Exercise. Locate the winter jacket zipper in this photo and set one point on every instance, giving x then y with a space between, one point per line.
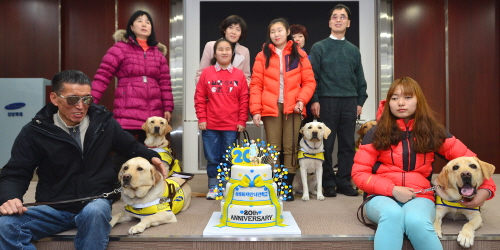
406 151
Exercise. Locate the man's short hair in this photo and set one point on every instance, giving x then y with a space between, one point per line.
339 7
69 76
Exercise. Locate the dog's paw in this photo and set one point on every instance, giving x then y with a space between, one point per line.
466 239
305 197
439 234
137 229
321 197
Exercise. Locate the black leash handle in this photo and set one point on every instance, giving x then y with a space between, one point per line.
361 213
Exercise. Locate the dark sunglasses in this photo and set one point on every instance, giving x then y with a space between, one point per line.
74 100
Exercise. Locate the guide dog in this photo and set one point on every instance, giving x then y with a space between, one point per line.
156 129
149 196
363 130
459 180
310 174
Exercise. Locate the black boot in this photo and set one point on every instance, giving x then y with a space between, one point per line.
289 181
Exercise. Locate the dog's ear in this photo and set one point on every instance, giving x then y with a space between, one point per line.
145 126
442 178
168 128
120 173
155 174
360 131
327 131
488 169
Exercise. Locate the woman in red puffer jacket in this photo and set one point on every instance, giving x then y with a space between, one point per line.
394 161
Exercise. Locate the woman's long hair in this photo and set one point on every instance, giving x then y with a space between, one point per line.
427 132
294 55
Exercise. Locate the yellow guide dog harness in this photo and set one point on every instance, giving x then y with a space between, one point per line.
305 155
172 200
453 204
166 156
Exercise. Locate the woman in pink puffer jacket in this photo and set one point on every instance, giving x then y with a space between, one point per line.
138 61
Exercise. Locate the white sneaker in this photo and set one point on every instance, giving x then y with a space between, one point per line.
211 194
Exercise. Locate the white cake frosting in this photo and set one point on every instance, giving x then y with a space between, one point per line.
251 199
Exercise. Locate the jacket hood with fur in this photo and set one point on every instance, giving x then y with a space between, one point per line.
119 36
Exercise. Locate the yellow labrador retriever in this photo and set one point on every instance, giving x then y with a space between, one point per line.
311 161
156 129
363 130
459 180
150 197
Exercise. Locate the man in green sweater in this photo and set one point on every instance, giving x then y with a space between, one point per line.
339 98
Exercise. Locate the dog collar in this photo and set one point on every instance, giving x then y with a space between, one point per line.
305 155
453 204
312 147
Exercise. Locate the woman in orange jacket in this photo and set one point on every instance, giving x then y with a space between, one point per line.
282 84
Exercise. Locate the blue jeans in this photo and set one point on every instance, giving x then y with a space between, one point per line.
414 218
17 231
215 144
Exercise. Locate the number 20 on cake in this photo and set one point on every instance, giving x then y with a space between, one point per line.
252 197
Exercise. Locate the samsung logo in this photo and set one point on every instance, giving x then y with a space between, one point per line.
16 105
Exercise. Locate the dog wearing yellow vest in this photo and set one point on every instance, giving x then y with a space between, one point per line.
149 196
156 129
459 180
311 157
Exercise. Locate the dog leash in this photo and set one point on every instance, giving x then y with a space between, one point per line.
172 191
434 188
294 148
360 213
104 195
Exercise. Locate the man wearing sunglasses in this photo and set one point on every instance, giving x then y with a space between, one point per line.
68 143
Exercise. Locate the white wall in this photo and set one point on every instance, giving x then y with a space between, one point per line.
368 44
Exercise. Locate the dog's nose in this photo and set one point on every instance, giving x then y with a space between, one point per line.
315 134
127 177
465 174
157 129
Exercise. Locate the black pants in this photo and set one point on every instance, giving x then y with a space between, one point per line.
339 115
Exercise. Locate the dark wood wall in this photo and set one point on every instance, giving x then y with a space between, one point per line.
29 38
473 66
32 46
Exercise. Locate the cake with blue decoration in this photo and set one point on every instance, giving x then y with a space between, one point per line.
252 189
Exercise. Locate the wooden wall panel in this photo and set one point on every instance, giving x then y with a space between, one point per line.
419 48
474 76
419 51
86 30
474 62
29 38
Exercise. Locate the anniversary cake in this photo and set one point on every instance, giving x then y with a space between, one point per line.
251 189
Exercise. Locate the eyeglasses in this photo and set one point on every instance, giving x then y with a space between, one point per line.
74 100
342 17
